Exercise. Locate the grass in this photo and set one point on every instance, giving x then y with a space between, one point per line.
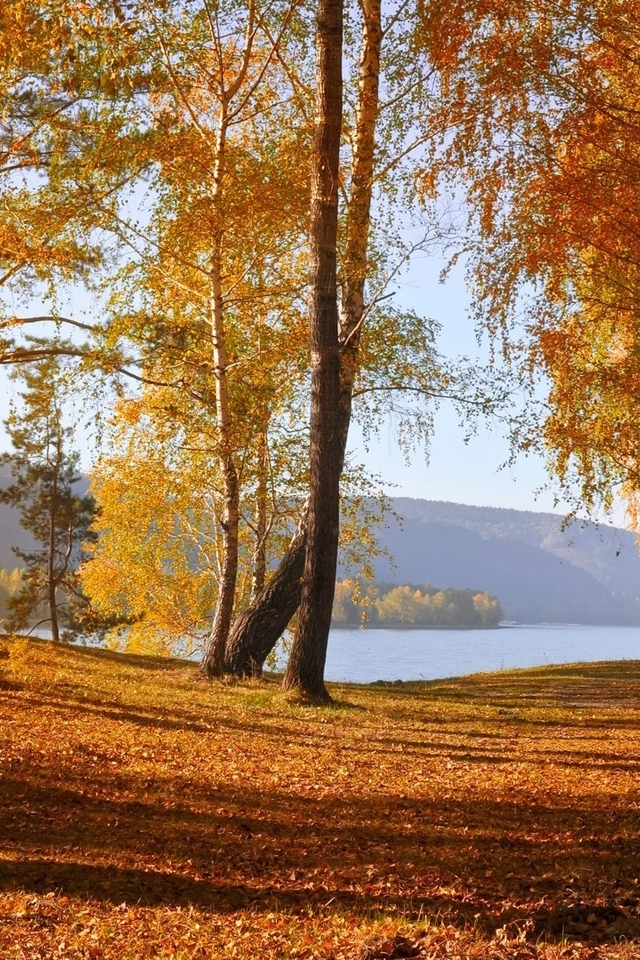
146 814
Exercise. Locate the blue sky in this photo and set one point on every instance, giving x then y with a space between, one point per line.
473 472
458 471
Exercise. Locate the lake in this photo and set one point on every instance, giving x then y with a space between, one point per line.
363 656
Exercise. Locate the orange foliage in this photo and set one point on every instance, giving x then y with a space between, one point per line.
542 98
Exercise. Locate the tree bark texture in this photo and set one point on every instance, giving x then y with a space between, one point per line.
354 266
52 578
306 663
213 659
260 530
258 629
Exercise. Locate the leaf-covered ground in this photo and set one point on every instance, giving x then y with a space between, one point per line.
146 814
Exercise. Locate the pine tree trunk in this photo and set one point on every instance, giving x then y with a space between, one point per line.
305 670
51 558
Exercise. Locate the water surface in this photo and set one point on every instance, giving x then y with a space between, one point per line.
362 656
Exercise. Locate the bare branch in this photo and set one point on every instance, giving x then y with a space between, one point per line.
48 318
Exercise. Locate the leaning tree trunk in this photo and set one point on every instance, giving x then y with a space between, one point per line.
305 670
258 629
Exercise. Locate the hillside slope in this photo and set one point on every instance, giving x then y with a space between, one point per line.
540 572
11 533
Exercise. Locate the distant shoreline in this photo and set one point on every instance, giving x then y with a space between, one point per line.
417 626
504 625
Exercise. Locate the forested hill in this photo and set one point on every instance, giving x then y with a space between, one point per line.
11 533
540 573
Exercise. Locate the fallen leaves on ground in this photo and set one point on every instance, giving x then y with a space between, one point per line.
145 814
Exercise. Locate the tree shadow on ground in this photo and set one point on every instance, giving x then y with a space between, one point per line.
487 817
226 849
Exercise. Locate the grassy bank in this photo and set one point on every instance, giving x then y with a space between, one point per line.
146 814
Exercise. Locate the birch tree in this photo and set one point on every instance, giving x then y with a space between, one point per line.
209 156
398 157
542 103
197 103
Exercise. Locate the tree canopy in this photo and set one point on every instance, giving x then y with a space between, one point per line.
542 102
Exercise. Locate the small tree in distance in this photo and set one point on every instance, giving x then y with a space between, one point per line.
44 473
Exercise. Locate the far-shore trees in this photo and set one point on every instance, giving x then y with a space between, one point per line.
410 605
10 583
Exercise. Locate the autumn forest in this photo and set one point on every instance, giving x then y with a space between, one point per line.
206 209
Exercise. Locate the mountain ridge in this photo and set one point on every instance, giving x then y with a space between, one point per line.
541 569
